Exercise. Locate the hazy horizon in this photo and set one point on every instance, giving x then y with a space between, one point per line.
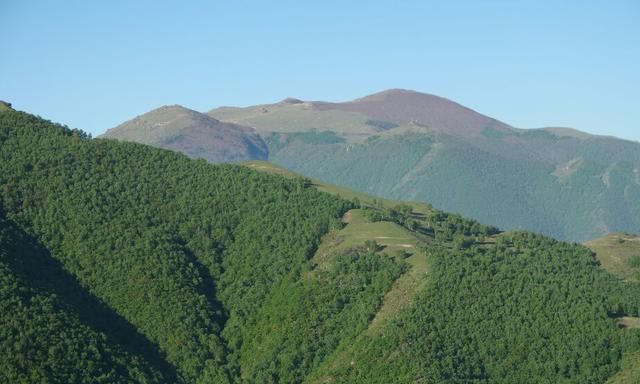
530 64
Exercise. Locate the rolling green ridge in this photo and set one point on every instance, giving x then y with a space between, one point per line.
615 253
175 247
408 145
556 181
593 198
463 329
127 263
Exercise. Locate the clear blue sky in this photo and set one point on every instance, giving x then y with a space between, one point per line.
94 64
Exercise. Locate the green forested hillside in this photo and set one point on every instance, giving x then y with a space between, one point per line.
50 331
495 315
413 146
178 248
408 145
124 263
577 199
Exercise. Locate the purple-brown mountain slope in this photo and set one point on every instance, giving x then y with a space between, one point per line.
401 107
197 135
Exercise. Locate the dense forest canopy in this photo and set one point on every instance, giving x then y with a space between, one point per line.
124 263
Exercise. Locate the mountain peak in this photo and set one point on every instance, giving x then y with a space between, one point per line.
291 100
171 108
196 134
392 92
403 106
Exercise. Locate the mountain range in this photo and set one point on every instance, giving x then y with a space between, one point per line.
124 263
408 145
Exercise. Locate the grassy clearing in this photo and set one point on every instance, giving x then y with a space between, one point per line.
629 371
265 166
358 230
616 253
393 238
629 322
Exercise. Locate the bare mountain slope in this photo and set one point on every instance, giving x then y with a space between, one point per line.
402 107
193 133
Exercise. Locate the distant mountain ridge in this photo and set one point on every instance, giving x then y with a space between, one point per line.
198 135
402 107
404 144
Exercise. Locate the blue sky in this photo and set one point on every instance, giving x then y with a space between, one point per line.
94 64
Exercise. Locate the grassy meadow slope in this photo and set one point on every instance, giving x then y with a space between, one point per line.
222 274
613 252
4 106
619 253
630 372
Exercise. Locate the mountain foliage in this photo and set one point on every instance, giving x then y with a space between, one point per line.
46 335
408 145
120 262
501 314
559 182
177 248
